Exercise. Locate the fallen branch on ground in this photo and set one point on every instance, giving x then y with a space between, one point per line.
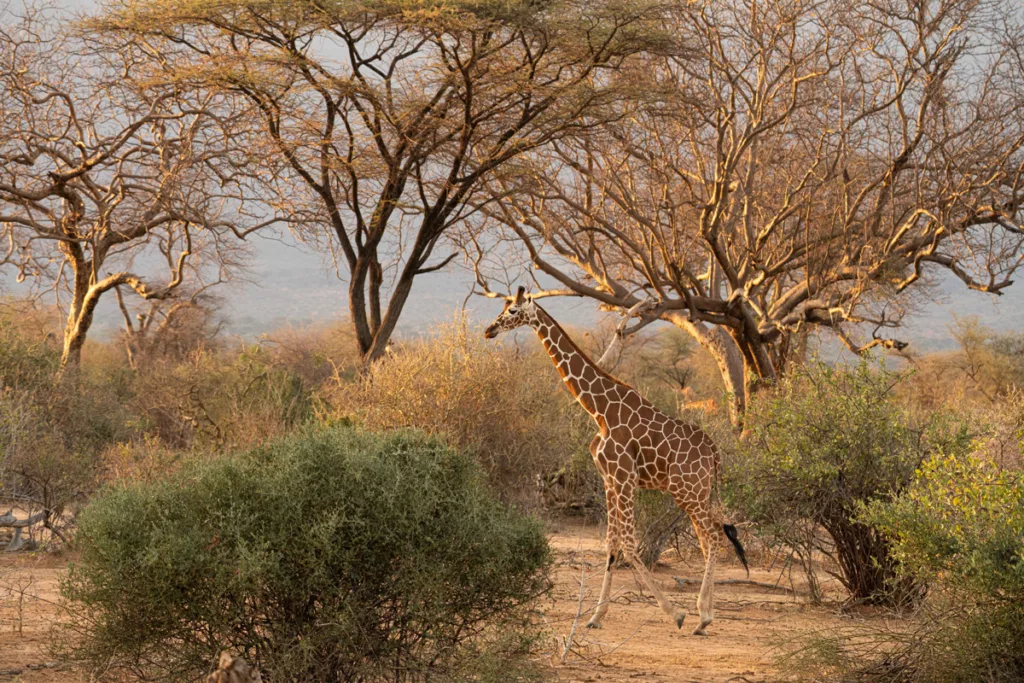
9 521
29 667
683 583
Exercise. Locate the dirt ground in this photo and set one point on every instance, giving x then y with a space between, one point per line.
637 642
29 585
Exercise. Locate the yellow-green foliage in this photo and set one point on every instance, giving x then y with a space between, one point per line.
961 523
822 442
959 527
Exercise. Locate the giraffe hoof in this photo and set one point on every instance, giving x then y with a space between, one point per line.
699 631
593 624
679 619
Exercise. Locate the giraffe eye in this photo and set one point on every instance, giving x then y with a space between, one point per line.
513 311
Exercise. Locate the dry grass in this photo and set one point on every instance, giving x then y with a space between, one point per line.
502 405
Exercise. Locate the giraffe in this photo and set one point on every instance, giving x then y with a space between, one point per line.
637 446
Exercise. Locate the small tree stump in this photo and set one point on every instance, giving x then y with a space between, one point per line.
231 669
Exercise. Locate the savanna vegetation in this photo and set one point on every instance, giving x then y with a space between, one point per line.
746 187
332 554
842 469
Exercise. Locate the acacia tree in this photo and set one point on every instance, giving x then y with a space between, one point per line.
799 168
379 121
100 179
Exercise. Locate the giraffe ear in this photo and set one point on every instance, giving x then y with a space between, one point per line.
520 295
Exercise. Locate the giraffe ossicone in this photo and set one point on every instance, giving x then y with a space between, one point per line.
637 446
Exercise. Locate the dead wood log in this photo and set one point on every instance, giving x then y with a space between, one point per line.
9 521
684 582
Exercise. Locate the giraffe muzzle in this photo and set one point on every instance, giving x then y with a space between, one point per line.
491 332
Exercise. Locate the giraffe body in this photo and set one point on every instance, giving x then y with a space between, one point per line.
637 446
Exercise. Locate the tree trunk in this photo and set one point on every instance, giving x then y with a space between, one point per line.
357 309
80 314
382 327
723 349
387 326
867 568
76 331
71 356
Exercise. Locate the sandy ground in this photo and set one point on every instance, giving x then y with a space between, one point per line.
29 585
637 642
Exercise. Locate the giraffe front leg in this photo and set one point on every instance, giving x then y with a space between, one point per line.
613 544
627 543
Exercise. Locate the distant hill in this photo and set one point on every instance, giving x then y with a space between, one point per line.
292 285
929 330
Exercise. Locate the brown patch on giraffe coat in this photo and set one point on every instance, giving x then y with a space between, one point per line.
576 365
633 400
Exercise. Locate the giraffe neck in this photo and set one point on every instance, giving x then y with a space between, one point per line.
584 379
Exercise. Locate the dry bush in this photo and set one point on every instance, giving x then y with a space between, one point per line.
171 330
145 459
317 354
659 521
31 321
986 369
52 426
221 400
504 406
997 427
42 468
240 395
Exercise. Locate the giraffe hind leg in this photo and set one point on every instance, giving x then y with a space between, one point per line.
676 615
628 545
705 599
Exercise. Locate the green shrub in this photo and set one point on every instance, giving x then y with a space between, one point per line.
330 555
821 443
960 527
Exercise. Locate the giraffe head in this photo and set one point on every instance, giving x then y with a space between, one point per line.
519 310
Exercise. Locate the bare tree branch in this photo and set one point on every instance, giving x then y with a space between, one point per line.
800 167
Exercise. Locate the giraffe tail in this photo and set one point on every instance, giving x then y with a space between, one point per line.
730 533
